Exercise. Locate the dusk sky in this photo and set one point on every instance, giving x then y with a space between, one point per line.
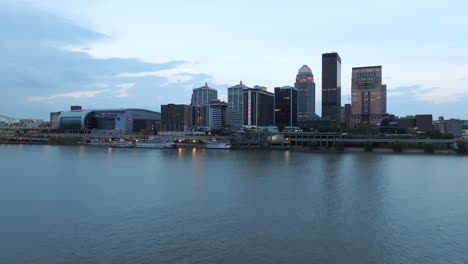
141 54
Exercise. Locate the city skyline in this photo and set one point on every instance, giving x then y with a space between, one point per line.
68 54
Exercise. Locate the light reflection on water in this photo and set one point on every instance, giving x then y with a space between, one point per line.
104 205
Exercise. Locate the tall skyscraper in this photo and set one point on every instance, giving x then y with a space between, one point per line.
176 117
203 95
331 87
235 103
368 95
259 107
286 106
305 86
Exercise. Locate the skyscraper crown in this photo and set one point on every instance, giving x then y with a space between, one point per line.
305 70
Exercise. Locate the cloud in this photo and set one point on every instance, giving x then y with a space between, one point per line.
41 71
123 88
394 93
118 91
75 95
180 74
450 92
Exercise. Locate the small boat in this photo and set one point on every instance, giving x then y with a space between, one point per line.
218 144
156 144
122 143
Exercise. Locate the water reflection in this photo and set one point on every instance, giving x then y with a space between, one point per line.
196 205
180 152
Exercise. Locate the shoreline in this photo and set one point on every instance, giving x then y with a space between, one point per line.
270 148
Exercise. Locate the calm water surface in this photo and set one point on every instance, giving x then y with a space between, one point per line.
97 205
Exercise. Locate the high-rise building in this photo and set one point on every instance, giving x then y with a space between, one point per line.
331 87
176 117
286 106
368 95
305 86
217 115
235 103
258 107
203 95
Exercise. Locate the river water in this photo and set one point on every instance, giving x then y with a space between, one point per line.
100 205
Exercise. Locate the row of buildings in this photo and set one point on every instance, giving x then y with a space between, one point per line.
253 107
288 105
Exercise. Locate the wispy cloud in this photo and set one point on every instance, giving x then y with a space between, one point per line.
116 91
182 75
394 93
450 92
74 95
123 89
49 65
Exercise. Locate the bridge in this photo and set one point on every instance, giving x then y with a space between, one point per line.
11 123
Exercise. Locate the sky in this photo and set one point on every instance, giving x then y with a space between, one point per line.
144 53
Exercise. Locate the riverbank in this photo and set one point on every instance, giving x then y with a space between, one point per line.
271 148
320 145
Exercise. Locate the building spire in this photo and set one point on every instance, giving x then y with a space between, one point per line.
241 82
206 84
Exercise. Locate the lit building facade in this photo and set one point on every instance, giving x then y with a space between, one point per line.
176 117
235 106
368 95
200 117
258 106
203 95
286 106
331 87
305 86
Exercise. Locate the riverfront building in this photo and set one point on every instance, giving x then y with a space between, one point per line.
200 117
258 106
452 126
110 121
55 120
286 106
203 95
305 86
176 117
331 87
235 106
368 95
217 115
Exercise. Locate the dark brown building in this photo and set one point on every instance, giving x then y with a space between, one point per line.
176 117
